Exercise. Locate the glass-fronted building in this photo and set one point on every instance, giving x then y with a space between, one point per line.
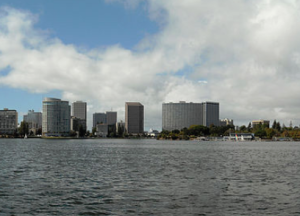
56 117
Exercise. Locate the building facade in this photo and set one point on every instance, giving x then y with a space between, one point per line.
262 122
111 118
34 120
226 121
102 130
176 116
8 121
211 112
56 117
120 127
79 111
76 123
99 118
134 118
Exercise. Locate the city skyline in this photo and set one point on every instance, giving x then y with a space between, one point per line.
243 54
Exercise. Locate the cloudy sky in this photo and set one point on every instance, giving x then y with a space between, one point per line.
243 54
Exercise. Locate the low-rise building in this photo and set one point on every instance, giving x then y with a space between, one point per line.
262 122
153 133
226 121
101 130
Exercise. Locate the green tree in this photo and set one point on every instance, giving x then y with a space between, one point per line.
260 133
73 133
176 131
94 131
39 131
270 132
82 131
243 128
24 128
198 130
278 127
184 131
249 127
121 131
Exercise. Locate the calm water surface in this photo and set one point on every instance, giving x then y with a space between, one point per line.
148 177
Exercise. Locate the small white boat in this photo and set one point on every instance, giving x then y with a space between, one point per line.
25 137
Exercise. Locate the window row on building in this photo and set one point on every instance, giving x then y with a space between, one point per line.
176 116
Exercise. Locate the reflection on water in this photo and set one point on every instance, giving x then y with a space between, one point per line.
148 177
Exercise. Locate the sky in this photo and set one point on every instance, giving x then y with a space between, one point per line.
243 54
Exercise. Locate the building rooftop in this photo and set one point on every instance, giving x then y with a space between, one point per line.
134 103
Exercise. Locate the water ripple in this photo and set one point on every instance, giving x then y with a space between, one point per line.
148 177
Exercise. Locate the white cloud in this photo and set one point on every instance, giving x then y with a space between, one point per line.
247 51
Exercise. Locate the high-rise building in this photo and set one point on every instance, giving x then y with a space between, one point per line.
134 118
8 121
34 120
176 116
211 112
56 117
99 118
79 111
111 118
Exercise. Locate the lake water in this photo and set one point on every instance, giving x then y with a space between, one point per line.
148 177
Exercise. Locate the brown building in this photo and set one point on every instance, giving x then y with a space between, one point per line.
262 122
134 118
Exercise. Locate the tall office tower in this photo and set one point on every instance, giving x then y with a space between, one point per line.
56 117
211 114
34 120
8 121
111 117
134 118
99 118
181 115
79 111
